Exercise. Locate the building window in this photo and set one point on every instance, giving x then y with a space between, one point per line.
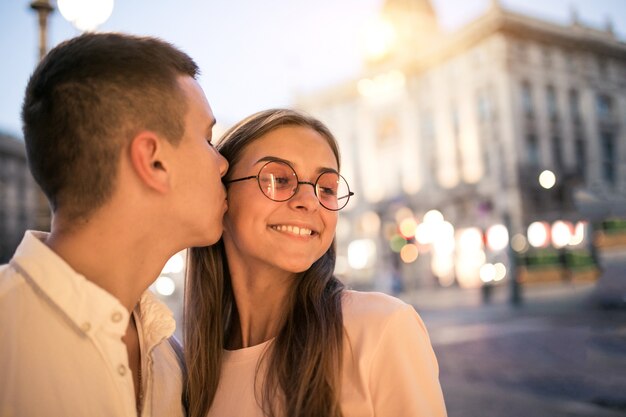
557 153
607 142
581 155
571 61
547 57
482 105
521 51
532 147
552 104
427 125
427 132
387 130
527 99
603 67
574 105
604 106
454 116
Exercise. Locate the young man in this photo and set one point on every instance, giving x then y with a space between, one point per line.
117 134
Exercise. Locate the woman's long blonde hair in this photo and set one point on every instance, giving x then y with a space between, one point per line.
303 364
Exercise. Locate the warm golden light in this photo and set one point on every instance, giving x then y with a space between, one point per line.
175 264
86 15
433 216
370 223
519 243
487 273
562 233
470 256
409 253
379 38
361 253
165 285
408 227
538 234
383 85
579 234
497 237
547 179
500 271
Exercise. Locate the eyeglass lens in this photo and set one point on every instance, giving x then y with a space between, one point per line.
279 182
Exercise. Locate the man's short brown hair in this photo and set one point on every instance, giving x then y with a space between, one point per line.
86 99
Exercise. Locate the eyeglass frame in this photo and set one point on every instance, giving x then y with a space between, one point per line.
298 182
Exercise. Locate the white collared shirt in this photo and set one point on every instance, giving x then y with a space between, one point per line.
61 352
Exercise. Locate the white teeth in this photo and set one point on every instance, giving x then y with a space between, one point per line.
295 230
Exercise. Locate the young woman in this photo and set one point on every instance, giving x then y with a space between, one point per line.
269 331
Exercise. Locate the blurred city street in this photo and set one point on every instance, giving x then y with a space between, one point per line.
481 139
559 353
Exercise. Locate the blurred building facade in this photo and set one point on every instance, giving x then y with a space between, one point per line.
444 137
22 204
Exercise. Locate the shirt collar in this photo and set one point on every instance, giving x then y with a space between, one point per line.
156 318
87 305
84 303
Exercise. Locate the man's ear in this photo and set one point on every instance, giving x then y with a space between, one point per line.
147 157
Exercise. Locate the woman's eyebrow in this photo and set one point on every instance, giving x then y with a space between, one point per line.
270 158
273 159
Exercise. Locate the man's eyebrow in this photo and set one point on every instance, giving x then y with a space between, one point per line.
270 158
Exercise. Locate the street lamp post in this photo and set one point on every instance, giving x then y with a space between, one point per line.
515 295
43 9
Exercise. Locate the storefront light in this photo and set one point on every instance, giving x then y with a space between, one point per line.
538 235
561 233
497 237
361 253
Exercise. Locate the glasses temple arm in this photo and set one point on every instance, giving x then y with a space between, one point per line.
350 194
240 179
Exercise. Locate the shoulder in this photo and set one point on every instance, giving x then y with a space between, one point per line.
358 305
10 281
372 315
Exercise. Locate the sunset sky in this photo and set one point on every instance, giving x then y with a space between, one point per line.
254 55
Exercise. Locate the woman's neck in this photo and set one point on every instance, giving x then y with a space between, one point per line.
262 299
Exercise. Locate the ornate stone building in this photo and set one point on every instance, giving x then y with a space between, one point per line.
464 123
22 205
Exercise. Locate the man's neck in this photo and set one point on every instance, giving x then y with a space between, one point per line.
122 262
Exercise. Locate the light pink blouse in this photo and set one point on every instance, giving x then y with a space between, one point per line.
389 367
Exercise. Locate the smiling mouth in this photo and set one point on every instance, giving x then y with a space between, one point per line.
294 230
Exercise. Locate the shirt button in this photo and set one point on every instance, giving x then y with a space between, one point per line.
85 327
122 370
116 317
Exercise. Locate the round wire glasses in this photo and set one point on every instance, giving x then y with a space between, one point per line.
278 182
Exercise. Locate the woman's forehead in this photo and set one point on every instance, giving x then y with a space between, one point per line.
297 145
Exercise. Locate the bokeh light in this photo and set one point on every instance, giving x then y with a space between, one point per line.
562 233
175 264
165 285
396 243
361 253
547 179
519 243
409 253
538 235
497 237
86 15
408 227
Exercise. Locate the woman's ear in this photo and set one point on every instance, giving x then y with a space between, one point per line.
147 157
